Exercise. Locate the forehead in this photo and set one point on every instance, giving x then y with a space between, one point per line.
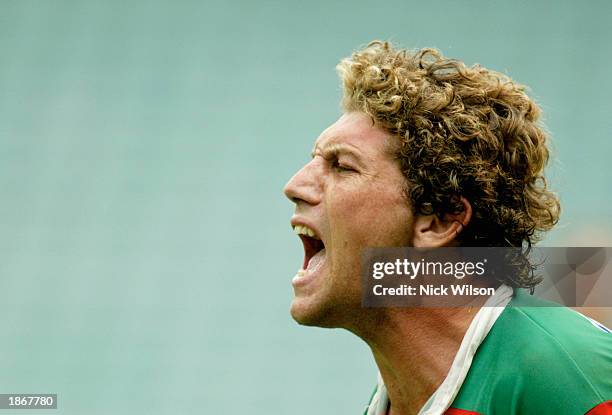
357 131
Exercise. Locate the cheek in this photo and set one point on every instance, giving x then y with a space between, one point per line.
370 217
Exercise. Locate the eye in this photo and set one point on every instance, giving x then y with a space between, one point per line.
341 168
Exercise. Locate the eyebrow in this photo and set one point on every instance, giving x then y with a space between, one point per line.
335 149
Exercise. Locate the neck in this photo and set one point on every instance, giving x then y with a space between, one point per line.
414 349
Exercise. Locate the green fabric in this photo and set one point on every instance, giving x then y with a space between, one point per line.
539 360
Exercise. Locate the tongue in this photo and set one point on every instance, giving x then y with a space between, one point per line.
316 261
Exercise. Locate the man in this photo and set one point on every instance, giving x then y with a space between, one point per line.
431 153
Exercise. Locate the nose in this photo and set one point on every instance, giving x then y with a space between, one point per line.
305 185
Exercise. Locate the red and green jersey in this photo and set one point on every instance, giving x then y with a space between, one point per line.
537 360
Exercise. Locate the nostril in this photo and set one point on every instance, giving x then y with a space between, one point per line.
292 196
292 192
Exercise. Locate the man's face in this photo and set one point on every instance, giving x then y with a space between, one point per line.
350 195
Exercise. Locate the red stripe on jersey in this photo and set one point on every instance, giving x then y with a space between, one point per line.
604 408
455 411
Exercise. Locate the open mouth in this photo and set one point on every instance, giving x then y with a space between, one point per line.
314 248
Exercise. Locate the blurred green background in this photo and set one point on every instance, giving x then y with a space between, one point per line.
145 247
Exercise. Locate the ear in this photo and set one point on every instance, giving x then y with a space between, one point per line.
432 232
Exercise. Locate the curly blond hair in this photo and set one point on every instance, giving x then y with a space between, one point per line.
464 131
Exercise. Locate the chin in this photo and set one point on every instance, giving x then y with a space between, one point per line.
309 313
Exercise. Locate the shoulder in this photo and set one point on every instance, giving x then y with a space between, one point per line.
540 358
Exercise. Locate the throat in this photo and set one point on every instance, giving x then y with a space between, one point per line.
414 353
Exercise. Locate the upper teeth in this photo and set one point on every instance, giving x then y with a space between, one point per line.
305 230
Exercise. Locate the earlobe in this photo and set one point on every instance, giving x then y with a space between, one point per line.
422 230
